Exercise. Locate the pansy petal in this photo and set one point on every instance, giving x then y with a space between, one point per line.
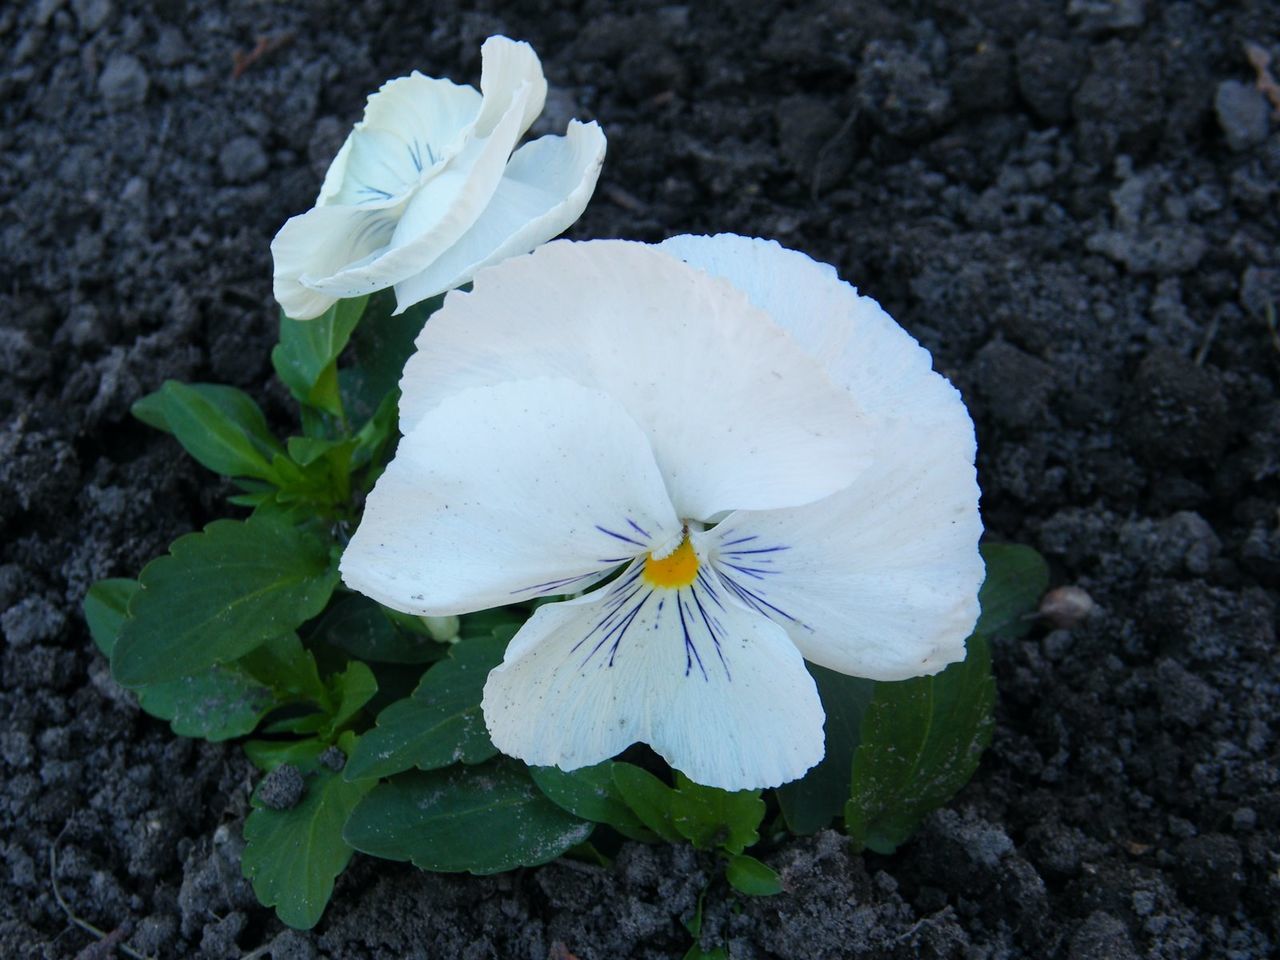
738 416
507 66
545 188
436 215
718 691
323 239
421 122
862 348
504 493
879 580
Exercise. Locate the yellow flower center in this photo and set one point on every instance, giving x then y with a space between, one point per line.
677 569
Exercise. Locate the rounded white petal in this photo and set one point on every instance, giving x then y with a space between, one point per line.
544 190
323 239
861 347
879 580
717 690
504 493
738 416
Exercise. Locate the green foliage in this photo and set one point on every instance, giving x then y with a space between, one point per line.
481 819
649 799
748 875
710 818
219 594
362 628
440 723
1017 578
217 703
812 802
920 743
590 793
292 857
707 817
306 358
221 427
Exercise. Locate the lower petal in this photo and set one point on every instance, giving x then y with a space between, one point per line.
717 690
544 190
321 242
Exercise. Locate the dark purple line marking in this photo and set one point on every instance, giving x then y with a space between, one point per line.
639 529
619 536
730 543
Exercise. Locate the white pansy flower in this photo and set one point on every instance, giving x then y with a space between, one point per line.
426 189
765 462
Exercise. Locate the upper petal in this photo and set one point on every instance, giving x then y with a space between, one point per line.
861 347
879 580
717 690
412 127
544 190
507 66
738 415
508 492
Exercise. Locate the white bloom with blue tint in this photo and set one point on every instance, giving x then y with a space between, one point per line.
764 463
426 189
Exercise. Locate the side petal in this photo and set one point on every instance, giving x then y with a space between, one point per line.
505 66
436 215
717 690
738 416
505 493
879 580
545 188
323 240
861 347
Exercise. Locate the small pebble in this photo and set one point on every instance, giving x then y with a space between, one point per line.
123 82
1066 607
1242 114
242 160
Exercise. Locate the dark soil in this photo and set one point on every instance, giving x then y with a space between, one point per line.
1072 203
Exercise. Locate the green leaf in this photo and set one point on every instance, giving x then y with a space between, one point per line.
350 690
372 439
219 594
360 627
105 607
649 798
289 668
590 793
500 621
812 802
292 857
1017 578
748 875
440 723
379 350
266 755
220 426
218 703
305 359
921 741
709 817
482 819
